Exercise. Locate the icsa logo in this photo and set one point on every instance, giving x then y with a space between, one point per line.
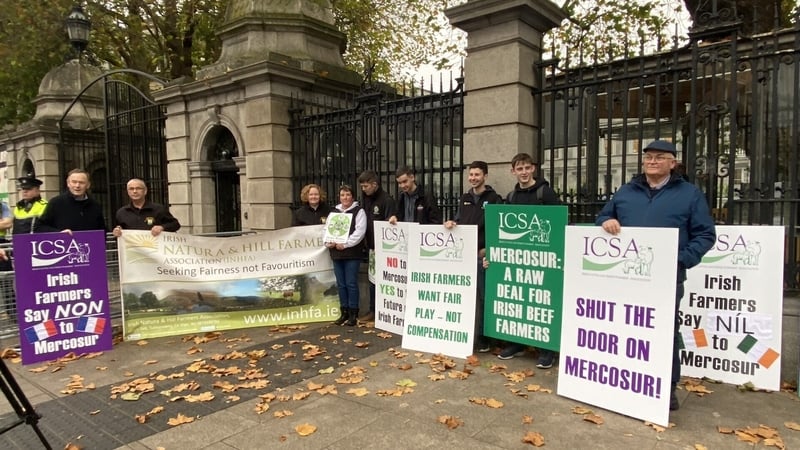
515 225
742 251
439 243
601 254
48 252
394 239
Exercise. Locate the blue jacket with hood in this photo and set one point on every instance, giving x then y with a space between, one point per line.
679 204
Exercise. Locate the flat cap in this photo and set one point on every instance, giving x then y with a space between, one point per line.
662 146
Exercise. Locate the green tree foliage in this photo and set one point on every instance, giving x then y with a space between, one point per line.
25 54
602 30
148 300
173 38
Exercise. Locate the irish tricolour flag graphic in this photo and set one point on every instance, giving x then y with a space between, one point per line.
695 338
757 351
41 331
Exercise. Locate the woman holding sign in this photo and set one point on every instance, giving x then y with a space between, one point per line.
345 230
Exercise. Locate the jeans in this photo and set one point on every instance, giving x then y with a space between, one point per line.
346 271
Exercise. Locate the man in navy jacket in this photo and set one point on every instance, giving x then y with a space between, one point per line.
661 198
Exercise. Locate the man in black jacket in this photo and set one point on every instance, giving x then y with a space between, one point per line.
414 204
378 205
141 214
73 210
471 212
529 190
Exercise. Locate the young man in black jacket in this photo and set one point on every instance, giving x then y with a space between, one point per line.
471 212
529 190
378 205
414 205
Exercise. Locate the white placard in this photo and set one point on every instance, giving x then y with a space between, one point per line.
442 273
391 262
618 319
732 311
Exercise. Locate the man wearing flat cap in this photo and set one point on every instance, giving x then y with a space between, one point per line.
30 205
661 198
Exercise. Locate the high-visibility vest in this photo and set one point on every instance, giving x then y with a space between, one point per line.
24 219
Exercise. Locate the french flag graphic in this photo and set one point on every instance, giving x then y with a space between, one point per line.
41 331
93 325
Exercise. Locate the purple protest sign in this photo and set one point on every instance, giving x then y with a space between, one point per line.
62 294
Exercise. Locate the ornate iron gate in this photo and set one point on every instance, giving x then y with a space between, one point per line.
730 103
130 143
332 145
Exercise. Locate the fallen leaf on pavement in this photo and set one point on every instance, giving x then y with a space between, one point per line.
328 370
283 413
358 392
724 430
436 377
527 420
405 382
452 422
305 429
150 362
792 425
581 410
594 418
204 397
142 343
473 360
300 395
700 447
533 438
179 420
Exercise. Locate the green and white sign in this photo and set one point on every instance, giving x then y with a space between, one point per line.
440 315
524 281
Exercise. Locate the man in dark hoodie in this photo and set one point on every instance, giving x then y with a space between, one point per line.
378 205
529 190
471 212
414 204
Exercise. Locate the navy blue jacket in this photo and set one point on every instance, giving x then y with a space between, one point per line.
679 204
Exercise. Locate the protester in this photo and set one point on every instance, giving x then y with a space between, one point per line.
347 257
378 205
529 190
73 210
664 199
471 212
142 214
414 205
30 206
314 210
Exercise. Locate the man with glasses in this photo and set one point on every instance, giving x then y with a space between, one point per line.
661 198
141 214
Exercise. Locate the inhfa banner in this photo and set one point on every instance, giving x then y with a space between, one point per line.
731 314
442 272
62 294
524 281
177 283
619 319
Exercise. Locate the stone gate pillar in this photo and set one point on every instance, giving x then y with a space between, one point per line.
504 41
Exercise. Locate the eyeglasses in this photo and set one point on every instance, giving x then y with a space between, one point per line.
656 158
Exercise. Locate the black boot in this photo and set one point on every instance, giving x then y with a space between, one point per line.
342 318
352 319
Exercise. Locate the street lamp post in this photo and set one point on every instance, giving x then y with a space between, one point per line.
78 27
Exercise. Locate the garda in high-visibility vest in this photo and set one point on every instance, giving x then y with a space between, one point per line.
26 213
